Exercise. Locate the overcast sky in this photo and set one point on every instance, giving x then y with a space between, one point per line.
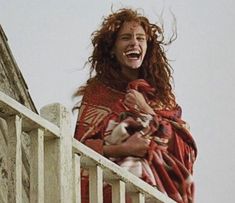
50 40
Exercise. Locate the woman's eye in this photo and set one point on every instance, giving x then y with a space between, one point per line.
125 38
141 38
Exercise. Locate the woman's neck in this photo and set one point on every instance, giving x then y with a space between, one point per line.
130 74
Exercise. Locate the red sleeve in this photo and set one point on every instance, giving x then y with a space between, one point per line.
95 144
89 126
97 104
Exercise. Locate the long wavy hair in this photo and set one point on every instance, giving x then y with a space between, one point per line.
155 68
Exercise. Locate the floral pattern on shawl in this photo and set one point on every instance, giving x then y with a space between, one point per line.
172 151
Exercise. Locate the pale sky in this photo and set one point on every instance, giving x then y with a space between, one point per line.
50 40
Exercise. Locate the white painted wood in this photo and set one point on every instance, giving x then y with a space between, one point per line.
138 197
3 161
14 159
77 179
58 159
51 171
114 171
96 184
31 119
58 156
2 199
37 166
118 192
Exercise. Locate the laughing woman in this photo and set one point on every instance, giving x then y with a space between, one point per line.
128 111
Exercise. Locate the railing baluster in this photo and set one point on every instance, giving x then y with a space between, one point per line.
96 184
118 191
37 166
77 179
59 164
112 173
52 171
58 156
138 197
14 159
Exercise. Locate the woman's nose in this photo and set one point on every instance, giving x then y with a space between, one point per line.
134 41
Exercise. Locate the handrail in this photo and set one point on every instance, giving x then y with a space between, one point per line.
134 184
55 163
9 107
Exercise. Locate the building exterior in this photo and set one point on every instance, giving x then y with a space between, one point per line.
13 84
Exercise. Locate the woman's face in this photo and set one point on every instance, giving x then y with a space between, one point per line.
130 46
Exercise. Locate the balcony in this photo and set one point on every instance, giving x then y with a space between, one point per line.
55 160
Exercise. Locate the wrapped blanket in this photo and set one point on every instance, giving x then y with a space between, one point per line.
168 165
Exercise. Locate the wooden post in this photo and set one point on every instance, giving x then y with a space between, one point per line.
3 161
77 178
118 191
37 166
58 156
138 197
14 153
96 184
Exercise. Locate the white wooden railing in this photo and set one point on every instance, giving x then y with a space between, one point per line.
56 159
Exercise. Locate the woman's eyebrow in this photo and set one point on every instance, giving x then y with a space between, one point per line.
141 34
130 34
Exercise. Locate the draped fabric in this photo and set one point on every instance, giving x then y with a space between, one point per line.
168 166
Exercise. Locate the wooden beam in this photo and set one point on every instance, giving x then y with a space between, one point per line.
14 159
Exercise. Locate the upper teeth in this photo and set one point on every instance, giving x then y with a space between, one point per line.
132 52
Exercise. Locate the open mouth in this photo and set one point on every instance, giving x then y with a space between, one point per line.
132 54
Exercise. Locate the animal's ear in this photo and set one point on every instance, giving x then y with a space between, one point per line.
118 135
132 125
125 115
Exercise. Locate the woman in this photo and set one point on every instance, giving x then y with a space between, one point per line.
128 112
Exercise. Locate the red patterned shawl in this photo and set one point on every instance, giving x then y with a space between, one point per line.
171 154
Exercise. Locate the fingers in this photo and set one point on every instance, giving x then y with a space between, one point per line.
131 91
137 145
134 96
130 96
140 135
133 99
148 141
130 100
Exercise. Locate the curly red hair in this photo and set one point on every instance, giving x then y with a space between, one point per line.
155 68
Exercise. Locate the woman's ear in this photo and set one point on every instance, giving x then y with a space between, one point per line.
112 54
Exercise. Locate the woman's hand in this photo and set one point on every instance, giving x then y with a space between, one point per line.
136 145
136 100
